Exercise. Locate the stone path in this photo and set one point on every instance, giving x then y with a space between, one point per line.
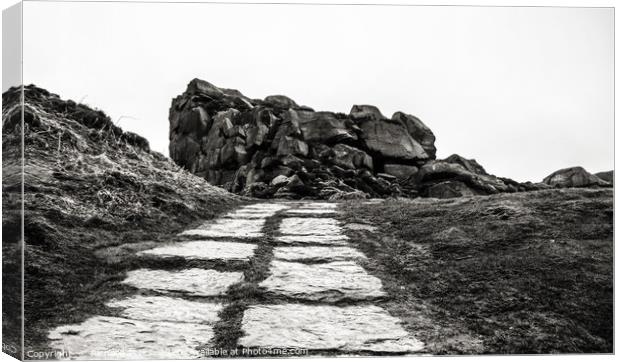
320 299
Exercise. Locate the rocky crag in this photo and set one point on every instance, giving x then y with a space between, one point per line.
277 148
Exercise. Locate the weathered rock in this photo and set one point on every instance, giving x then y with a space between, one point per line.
319 327
574 177
325 282
400 171
418 131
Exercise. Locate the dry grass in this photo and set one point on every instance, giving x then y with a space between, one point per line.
88 186
523 273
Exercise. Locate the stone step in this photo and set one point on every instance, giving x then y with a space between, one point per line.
313 239
310 226
235 228
319 327
204 250
195 281
113 338
328 282
316 253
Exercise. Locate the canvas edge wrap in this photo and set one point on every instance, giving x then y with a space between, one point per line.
13 280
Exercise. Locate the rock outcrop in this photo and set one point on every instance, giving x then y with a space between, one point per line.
277 148
457 176
574 177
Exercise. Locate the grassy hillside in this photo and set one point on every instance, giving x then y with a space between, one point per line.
523 273
88 185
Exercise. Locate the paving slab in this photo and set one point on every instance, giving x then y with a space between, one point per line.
167 309
101 338
310 226
273 208
205 250
316 253
319 327
256 211
240 214
313 239
319 205
308 211
226 227
195 281
328 282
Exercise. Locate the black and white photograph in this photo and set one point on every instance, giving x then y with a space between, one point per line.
188 180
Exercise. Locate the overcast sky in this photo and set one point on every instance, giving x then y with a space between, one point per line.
525 91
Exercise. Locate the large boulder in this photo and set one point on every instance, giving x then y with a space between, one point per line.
390 140
418 131
607 176
470 165
574 177
280 101
324 127
203 87
437 172
350 157
362 112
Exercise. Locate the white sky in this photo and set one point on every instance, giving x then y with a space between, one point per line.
525 91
